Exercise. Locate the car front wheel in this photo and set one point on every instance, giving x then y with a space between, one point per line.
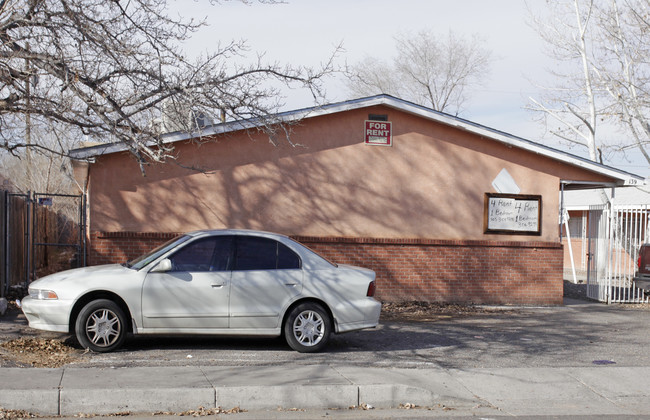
101 326
307 328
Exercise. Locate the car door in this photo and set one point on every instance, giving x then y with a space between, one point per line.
195 293
266 276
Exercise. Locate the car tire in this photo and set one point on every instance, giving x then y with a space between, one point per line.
101 326
307 328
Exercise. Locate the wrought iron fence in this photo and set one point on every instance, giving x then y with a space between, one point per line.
42 234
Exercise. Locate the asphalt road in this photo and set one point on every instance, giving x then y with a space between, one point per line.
578 334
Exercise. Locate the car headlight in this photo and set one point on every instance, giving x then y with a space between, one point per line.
42 294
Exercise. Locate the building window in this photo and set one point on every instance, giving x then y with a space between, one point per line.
576 226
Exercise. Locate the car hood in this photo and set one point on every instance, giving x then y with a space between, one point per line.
80 275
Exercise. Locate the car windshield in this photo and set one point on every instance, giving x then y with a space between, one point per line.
146 259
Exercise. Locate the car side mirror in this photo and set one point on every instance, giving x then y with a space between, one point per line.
162 267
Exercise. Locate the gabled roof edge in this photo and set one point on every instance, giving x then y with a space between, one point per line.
623 177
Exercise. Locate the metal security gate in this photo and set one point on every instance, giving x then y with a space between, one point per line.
596 254
615 236
42 234
14 262
58 234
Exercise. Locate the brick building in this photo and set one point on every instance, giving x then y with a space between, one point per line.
441 208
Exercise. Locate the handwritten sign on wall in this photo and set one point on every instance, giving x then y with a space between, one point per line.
513 214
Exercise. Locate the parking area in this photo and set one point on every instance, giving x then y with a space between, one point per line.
580 333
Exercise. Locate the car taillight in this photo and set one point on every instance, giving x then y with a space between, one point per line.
371 289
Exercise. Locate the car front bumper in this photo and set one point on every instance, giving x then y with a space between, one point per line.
48 315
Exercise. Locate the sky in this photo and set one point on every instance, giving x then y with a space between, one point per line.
306 32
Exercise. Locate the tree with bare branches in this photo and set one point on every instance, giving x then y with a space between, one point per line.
602 74
110 70
429 70
624 69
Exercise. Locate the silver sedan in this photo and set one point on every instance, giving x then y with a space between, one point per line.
228 282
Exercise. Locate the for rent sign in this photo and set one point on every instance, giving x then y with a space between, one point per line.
378 133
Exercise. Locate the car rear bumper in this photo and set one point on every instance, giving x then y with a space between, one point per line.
370 308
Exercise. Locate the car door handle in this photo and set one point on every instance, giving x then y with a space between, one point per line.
291 284
217 285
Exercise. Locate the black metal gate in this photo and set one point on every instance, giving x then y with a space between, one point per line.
15 244
42 234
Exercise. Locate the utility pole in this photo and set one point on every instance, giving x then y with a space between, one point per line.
28 121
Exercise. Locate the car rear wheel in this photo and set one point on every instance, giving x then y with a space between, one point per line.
101 326
307 328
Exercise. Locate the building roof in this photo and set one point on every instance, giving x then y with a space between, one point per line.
621 177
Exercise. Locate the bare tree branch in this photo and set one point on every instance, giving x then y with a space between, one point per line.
432 71
105 70
609 42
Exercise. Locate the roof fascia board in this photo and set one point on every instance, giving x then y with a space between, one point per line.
625 178
286 117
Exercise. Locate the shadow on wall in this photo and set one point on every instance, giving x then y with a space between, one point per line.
413 190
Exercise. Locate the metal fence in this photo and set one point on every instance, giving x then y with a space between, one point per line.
15 263
41 234
615 236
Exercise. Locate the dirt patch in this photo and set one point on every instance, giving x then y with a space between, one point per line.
16 414
38 352
200 412
431 312
21 346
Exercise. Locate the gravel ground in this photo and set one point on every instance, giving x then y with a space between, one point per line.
575 291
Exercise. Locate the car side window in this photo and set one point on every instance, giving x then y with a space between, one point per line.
255 253
223 256
287 259
207 254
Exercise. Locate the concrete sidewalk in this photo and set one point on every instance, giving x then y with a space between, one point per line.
598 390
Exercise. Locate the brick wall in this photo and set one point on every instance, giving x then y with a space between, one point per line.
525 273
118 247
490 272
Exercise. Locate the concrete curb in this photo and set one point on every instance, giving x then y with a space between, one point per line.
512 391
71 391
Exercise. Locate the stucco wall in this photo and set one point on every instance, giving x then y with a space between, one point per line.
430 184
413 212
